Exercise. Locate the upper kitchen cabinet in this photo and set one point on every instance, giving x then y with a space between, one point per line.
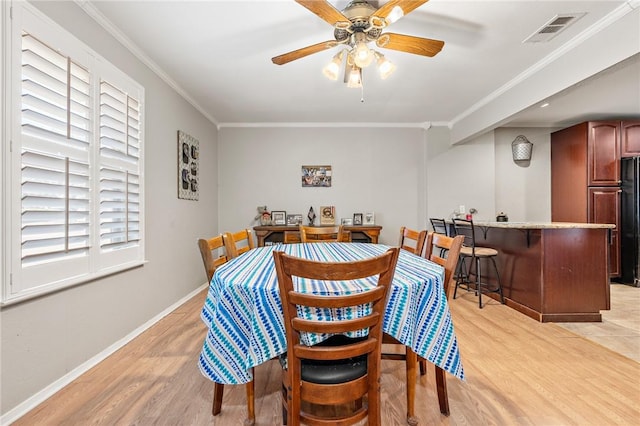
603 144
630 139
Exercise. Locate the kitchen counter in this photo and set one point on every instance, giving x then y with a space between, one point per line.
552 272
544 225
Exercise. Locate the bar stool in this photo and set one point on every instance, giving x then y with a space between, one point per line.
475 255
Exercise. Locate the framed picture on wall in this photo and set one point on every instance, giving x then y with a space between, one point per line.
188 176
278 217
316 176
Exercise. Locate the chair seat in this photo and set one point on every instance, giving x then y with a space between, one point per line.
331 372
480 251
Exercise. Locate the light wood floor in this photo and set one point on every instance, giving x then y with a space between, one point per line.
519 372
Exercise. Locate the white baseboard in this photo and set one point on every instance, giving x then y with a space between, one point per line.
33 401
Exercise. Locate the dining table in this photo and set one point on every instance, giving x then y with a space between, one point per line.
243 309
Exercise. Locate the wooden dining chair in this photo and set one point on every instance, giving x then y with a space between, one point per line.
434 243
340 370
412 241
214 254
441 245
321 234
239 242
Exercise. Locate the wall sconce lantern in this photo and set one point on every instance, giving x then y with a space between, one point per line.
521 149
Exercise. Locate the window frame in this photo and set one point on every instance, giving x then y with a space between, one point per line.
21 283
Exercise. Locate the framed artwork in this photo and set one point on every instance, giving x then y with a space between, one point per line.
369 219
346 221
327 215
188 173
278 217
316 176
294 219
357 218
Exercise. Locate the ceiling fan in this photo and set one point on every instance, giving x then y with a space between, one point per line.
355 26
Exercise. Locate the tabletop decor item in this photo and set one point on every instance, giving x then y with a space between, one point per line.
278 217
294 219
188 153
318 176
311 216
357 218
327 215
369 219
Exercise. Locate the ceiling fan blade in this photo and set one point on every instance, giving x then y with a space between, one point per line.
305 51
410 44
324 10
406 5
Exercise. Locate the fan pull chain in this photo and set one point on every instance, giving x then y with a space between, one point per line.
362 93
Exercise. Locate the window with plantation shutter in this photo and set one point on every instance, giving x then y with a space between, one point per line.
75 157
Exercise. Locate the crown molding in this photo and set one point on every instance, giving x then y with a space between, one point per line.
594 29
97 16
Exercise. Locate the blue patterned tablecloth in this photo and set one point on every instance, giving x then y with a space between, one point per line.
243 310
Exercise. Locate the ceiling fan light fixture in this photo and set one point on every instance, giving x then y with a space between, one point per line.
332 69
385 66
395 14
362 55
355 78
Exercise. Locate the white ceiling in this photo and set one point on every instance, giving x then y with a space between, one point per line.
218 54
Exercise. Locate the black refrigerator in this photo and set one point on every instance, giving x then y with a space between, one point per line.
630 221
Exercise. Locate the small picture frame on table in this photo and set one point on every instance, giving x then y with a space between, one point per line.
369 219
279 217
346 221
327 215
294 219
357 218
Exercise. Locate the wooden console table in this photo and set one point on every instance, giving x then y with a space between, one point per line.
275 234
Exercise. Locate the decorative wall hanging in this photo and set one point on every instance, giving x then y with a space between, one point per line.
188 172
318 176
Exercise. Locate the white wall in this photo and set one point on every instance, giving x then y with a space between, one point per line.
376 170
523 193
481 174
46 338
461 174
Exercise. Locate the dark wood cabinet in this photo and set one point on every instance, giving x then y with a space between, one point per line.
604 207
630 139
603 144
585 178
275 234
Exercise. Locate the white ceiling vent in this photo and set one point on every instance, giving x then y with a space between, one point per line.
553 27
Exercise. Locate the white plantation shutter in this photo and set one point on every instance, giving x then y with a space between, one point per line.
55 155
76 187
119 174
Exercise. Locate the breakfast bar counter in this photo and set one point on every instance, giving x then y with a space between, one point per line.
552 272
